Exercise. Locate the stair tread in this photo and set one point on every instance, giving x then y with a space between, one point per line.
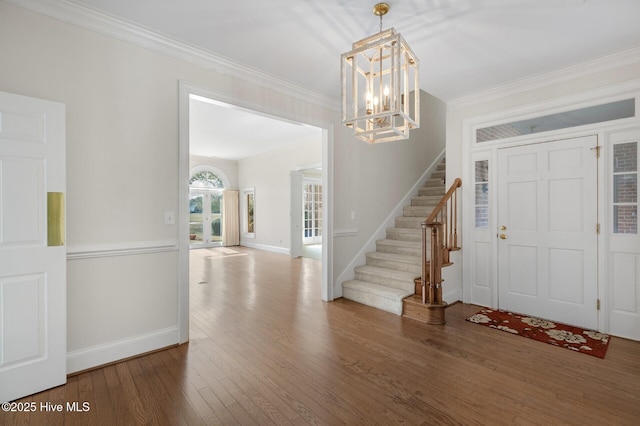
385 272
395 257
377 289
403 243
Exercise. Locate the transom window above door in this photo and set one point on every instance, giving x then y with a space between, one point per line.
205 179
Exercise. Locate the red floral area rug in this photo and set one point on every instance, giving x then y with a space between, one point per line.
557 334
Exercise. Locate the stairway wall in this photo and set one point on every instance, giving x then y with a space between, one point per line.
389 222
372 180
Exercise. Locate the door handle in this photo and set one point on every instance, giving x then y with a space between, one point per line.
503 237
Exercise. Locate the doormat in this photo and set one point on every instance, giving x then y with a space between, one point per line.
557 334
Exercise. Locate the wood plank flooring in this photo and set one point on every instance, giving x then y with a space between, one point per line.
265 349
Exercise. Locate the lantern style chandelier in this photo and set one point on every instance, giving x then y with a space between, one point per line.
380 91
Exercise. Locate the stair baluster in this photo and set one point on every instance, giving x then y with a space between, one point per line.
442 242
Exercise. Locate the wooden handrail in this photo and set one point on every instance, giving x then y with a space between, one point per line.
441 243
457 183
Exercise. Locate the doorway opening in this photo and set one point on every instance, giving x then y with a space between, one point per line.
225 127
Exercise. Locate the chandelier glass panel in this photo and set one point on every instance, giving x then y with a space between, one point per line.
380 90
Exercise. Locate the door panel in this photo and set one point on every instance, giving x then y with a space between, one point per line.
32 274
547 263
196 218
23 191
216 217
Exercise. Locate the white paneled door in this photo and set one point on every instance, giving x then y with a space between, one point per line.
547 238
32 251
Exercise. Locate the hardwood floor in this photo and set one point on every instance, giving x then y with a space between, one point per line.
265 350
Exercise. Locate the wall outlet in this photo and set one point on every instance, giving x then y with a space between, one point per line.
169 217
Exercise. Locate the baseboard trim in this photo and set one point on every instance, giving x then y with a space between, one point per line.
89 358
453 296
273 249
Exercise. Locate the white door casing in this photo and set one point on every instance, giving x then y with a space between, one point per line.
32 273
547 204
296 214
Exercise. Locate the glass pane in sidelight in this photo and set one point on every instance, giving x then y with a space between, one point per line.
625 219
625 188
482 194
482 171
482 217
625 157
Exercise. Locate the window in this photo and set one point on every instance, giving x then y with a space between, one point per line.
625 188
248 206
205 179
312 209
481 182
562 120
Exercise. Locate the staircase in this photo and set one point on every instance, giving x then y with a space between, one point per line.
389 273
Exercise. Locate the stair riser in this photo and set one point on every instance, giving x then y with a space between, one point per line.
388 281
432 191
396 266
434 182
395 307
409 222
427 199
400 234
417 211
409 251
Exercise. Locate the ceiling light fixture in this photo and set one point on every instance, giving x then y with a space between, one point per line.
380 91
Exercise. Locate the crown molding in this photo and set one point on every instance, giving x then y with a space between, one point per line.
118 28
616 60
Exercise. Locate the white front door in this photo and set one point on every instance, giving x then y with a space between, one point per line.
547 217
33 295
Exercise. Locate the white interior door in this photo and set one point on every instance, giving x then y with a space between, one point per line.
312 211
32 252
547 215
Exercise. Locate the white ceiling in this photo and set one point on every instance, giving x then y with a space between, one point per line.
464 46
231 133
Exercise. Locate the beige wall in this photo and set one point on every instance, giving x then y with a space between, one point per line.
122 172
269 175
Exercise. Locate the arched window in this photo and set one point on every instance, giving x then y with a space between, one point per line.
205 179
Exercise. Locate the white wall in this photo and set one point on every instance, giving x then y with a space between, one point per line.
268 174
